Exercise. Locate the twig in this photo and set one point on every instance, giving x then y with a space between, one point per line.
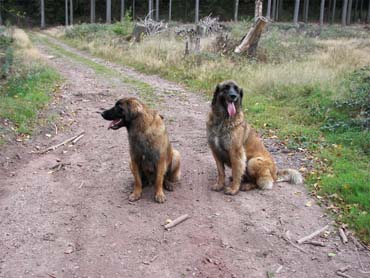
279 269
363 270
343 236
343 274
53 148
287 239
177 221
78 138
51 275
154 258
82 183
56 129
344 269
315 243
306 238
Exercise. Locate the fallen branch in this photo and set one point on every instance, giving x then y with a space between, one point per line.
306 238
177 221
343 236
77 139
343 274
53 148
288 239
315 243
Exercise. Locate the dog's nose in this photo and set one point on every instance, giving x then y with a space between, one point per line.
233 96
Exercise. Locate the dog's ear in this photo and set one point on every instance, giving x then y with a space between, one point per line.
132 110
215 94
241 95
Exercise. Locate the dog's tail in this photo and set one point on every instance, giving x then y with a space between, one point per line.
289 175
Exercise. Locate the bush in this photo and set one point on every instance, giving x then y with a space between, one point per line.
125 27
6 55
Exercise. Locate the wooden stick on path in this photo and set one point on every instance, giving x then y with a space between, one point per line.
343 236
177 221
303 239
52 148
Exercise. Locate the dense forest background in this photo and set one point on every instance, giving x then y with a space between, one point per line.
27 12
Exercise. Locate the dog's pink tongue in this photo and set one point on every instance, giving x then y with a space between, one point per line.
112 123
231 109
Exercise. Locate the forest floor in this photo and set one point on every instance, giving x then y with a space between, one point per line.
65 213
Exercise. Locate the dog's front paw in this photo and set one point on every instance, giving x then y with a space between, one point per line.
230 191
160 197
168 186
217 187
134 196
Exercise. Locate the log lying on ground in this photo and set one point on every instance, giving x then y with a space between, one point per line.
177 221
250 41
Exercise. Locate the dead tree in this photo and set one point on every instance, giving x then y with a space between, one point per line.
169 10
122 10
257 9
157 10
344 12
250 41
322 8
109 12
296 12
150 9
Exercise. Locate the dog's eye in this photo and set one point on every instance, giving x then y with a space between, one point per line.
227 87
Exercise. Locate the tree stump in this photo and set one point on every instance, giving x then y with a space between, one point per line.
250 41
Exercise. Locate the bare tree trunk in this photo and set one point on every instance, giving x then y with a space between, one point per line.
133 9
66 12
109 11
328 9
349 12
322 9
169 10
257 9
150 8
355 14
296 11
305 10
279 9
1 6
344 12
122 9
368 13
361 10
42 14
333 11
196 11
273 10
268 12
71 11
236 9
92 11
157 10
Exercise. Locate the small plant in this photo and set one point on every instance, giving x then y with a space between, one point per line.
124 27
6 55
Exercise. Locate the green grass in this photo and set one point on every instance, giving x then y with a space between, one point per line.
28 88
310 86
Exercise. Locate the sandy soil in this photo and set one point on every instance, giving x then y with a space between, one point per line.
75 220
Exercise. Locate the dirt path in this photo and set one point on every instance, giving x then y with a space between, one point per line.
78 222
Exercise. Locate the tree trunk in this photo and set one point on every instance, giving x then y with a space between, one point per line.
109 12
322 9
122 10
157 10
349 12
257 9
361 10
236 9
250 41
355 14
92 11
328 9
71 11
344 12
169 10
273 13
150 8
1 19
333 11
296 12
305 10
133 9
277 12
42 14
66 12
196 11
368 13
268 12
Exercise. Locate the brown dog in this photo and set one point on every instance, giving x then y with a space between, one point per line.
153 160
234 143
